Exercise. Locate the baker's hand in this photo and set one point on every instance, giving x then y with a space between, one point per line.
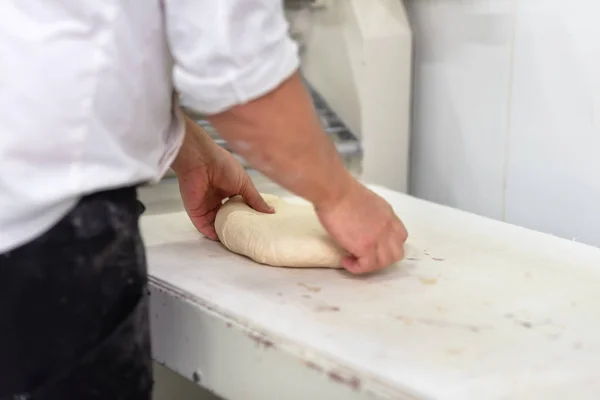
204 187
366 226
208 174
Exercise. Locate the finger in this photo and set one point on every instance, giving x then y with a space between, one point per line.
400 230
254 199
387 251
381 255
349 262
208 231
205 223
396 246
385 257
363 264
396 239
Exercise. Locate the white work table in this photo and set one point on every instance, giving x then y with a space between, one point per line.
479 310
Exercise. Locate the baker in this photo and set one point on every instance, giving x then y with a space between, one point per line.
88 112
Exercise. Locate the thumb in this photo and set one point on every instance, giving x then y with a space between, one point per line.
254 199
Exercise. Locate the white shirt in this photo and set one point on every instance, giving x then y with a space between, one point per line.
86 91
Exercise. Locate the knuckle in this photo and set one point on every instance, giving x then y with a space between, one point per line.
369 263
398 253
383 257
404 236
401 233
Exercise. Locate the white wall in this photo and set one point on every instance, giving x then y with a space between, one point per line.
507 111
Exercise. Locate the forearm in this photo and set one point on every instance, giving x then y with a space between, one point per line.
280 135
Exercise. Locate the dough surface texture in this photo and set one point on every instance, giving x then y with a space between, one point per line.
292 237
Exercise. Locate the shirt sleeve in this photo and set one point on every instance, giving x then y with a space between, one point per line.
228 52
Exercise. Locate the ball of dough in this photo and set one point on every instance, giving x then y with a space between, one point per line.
291 237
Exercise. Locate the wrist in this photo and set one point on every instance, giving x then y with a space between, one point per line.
187 158
198 150
342 188
184 162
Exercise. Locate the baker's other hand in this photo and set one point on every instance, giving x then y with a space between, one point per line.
366 226
209 174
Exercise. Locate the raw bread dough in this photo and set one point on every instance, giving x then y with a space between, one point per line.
292 237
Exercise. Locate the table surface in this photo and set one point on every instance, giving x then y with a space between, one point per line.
479 309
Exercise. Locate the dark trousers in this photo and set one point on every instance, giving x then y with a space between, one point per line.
74 307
